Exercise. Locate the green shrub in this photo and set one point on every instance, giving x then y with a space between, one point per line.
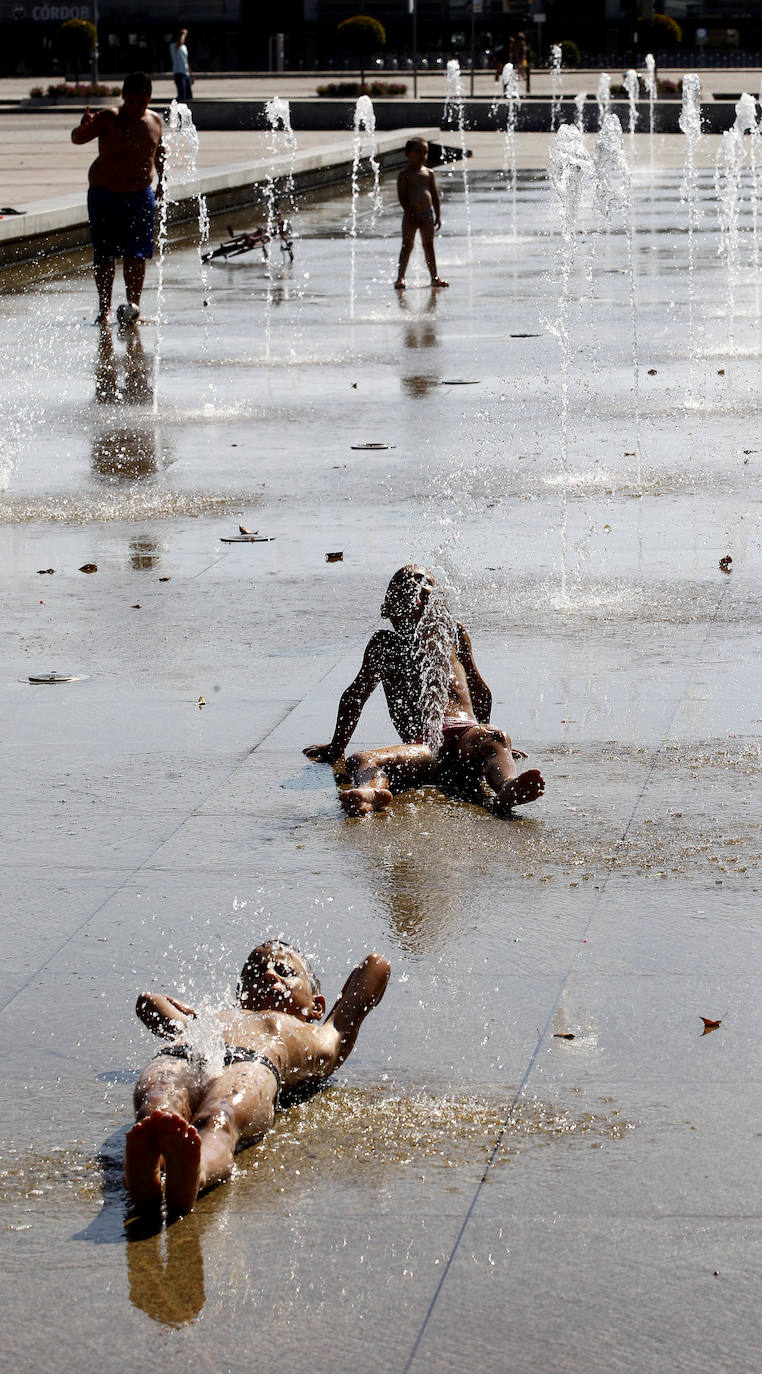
362 35
659 32
76 39
569 53
339 90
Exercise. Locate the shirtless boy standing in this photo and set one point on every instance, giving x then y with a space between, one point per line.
120 201
190 1122
462 750
419 198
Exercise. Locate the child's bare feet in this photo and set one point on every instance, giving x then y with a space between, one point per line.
141 1164
527 787
439 281
400 284
361 801
179 1144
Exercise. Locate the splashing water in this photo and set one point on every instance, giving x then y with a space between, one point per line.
281 138
556 85
570 167
181 147
649 81
579 110
613 178
603 96
432 649
632 86
365 119
746 123
690 125
512 99
454 111
728 175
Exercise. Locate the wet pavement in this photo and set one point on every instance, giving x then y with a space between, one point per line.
475 1188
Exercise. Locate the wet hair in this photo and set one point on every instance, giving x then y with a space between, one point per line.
137 83
403 576
248 968
416 143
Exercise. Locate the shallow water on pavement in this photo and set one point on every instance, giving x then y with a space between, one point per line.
160 816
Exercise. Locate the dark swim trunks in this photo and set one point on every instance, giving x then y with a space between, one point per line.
234 1054
121 223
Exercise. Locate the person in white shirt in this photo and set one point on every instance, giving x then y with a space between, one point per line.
181 66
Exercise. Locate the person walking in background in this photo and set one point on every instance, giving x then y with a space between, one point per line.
181 66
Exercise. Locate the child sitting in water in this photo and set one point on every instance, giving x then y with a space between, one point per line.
440 707
419 197
190 1122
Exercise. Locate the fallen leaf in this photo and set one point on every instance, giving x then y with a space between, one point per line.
652 371
607 529
630 455
165 579
43 571
710 1025
89 567
337 557
354 384
201 703
726 563
563 1035
136 606
243 530
720 372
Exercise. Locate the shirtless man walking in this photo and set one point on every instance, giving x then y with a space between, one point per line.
120 201
440 706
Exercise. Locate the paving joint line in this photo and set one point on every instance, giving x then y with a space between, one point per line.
165 840
548 1022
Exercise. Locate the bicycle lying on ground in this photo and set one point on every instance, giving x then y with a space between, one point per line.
256 238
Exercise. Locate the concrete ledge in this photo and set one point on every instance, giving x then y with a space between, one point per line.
399 112
60 225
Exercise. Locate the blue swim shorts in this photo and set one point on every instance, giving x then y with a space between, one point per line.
121 223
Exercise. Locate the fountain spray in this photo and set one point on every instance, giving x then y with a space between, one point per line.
649 81
570 167
511 96
556 85
690 124
454 110
603 96
613 184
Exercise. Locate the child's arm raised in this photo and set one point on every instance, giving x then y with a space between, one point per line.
163 1016
481 695
351 704
362 991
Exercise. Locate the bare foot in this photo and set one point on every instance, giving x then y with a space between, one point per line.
141 1164
400 284
439 281
361 801
527 787
179 1145
103 317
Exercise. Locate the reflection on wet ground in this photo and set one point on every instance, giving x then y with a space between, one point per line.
550 972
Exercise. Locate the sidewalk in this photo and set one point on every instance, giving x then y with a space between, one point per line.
431 85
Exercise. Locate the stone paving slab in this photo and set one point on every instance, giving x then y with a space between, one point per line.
621 909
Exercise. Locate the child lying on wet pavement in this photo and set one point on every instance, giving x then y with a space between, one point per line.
193 1114
439 705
